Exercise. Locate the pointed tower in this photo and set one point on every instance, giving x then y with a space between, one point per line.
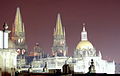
18 33
59 44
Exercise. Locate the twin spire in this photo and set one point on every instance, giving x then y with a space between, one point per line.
19 26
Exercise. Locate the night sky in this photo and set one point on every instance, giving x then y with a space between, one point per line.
102 18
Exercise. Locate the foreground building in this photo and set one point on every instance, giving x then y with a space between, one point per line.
8 54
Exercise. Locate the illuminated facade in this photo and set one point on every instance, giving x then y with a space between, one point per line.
83 54
8 55
79 62
18 38
59 44
18 34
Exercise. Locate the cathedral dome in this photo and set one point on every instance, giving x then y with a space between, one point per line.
84 45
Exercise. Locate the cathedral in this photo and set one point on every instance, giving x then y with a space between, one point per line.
85 58
83 54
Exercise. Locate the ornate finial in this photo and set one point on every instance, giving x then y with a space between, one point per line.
92 62
100 54
83 23
5 26
64 31
92 67
23 28
37 44
84 33
84 26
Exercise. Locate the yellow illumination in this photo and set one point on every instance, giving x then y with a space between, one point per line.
85 44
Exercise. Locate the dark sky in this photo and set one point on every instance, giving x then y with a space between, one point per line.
39 16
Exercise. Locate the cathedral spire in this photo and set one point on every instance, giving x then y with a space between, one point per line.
84 33
59 43
59 30
18 33
18 22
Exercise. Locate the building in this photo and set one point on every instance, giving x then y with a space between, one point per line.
18 34
83 54
18 38
13 51
59 43
8 55
82 61
85 51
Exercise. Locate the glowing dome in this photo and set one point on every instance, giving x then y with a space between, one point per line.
85 44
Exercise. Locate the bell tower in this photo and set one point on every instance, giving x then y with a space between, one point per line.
59 44
18 34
